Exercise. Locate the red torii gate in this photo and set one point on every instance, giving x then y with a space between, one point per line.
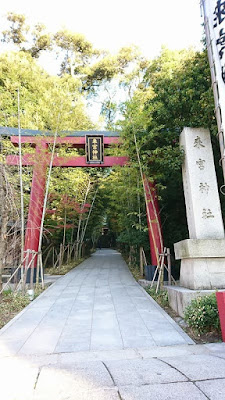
41 160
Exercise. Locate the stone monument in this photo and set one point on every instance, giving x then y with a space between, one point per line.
203 255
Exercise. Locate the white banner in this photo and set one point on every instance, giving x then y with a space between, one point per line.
214 12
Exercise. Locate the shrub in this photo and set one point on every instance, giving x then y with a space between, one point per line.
202 314
161 297
10 305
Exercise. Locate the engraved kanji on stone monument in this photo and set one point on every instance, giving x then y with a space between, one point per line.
207 213
204 187
198 142
201 164
200 186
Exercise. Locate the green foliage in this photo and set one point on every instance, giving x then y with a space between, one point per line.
33 41
133 237
77 51
126 214
63 269
182 86
202 314
47 103
175 92
17 30
10 305
161 297
67 193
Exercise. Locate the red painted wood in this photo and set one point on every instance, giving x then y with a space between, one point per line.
154 213
220 297
36 201
73 141
29 159
81 162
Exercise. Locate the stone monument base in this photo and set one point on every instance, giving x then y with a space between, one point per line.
180 297
202 263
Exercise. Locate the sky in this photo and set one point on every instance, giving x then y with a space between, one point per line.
148 24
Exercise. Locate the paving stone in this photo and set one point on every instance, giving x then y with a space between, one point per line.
43 340
127 354
105 319
40 361
104 307
214 389
72 345
172 351
106 340
46 301
72 379
142 372
171 338
21 328
219 354
217 349
9 347
104 394
197 367
134 325
215 346
138 342
170 391
18 379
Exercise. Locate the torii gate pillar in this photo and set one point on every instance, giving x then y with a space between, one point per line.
32 236
154 221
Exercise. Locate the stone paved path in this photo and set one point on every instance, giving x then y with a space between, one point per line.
96 306
96 334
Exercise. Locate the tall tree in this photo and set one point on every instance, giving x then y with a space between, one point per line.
175 92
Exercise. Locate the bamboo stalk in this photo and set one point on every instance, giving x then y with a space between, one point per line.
64 229
144 257
80 220
169 266
21 179
47 187
53 256
6 284
162 267
155 273
160 277
88 217
141 261
37 272
48 254
42 272
24 278
32 271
